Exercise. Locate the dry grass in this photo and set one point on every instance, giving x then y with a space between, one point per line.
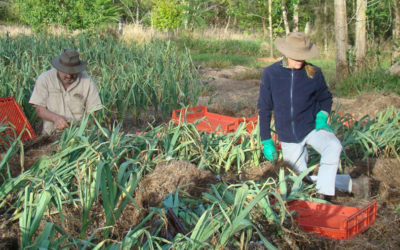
222 34
14 30
131 32
142 34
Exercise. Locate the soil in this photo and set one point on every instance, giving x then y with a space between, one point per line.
234 92
366 104
167 177
33 150
230 94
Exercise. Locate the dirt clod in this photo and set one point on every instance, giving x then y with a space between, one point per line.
167 177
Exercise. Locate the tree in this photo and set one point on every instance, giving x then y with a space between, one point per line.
137 11
271 46
296 16
361 34
342 67
196 12
284 16
396 32
325 28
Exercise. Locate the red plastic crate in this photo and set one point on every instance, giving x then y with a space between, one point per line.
227 124
333 221
11 112
251 123
210 123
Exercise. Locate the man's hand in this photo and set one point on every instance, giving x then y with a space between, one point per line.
321 121
269 150
61 123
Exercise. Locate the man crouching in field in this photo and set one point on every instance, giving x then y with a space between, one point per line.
64 93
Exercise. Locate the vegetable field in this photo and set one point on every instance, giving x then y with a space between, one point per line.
132 80
99 186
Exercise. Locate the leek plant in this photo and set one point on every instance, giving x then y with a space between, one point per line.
132 79
10 145
230 214
369 137
97 165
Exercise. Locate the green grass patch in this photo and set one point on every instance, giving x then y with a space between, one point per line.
223 53
366 81
377 79
328 67
236 47
222 60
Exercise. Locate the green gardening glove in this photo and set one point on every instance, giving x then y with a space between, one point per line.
321 121
269 150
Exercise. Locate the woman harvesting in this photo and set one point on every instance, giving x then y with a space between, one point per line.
297 94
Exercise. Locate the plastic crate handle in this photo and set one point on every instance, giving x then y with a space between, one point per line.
193 110
359 217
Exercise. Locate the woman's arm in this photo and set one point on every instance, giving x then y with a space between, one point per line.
265 106
324 96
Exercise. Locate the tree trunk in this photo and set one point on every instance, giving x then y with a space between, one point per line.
307 28
342 67
227 24
396 32
137 11
284 15
271 46
326 20
361 34
296 17
264 28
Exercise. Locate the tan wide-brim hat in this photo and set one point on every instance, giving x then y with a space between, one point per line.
297 46
69 62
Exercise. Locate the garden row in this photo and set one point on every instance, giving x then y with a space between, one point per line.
133 80
96 173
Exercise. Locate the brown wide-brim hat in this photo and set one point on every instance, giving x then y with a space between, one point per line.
297 46
69 62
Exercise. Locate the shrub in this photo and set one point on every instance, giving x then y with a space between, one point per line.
84 14
167 15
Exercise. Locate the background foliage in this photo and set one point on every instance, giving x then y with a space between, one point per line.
247 15
85 14
166 15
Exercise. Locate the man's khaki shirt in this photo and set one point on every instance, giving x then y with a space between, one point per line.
80 98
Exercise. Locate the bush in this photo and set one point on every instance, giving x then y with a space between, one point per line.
167 15
84 14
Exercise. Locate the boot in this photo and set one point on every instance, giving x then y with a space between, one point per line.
360 187
307 179
327 198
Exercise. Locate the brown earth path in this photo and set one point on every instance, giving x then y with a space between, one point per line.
234 91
